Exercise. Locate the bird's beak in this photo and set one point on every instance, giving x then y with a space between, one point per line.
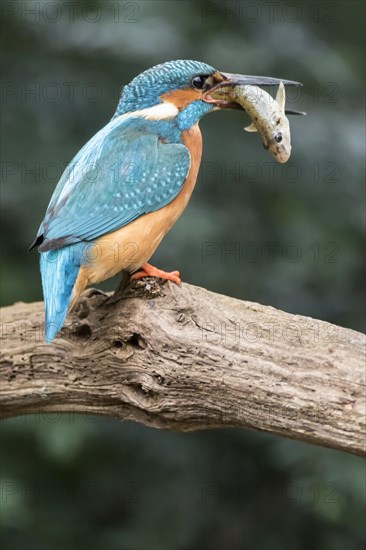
233 80
241 79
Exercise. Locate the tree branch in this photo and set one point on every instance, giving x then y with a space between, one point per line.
183 358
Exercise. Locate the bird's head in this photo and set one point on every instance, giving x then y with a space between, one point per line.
181 89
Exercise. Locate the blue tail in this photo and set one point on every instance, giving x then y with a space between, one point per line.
59 269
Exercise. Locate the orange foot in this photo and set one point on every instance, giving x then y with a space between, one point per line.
148 270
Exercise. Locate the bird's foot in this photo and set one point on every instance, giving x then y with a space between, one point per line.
148 270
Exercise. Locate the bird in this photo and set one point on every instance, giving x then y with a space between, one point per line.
128 185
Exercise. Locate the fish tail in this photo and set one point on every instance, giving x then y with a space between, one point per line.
59 270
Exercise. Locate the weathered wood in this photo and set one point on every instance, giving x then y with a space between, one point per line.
183 358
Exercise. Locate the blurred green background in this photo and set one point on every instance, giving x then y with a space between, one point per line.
289 236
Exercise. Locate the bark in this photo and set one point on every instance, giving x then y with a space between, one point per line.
183 358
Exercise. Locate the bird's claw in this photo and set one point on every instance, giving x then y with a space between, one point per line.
148 270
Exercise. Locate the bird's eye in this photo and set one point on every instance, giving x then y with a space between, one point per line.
198 82
278 138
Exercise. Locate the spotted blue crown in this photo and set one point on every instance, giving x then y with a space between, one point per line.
145 90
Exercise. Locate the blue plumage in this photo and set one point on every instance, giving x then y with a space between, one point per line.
135 165
146 88
124 171
59 269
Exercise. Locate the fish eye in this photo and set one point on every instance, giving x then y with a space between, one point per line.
199 82
278 138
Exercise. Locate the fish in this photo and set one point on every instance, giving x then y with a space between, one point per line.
267 114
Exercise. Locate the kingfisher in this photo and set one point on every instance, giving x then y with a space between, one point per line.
128 185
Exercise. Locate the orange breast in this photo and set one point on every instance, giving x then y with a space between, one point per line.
134 244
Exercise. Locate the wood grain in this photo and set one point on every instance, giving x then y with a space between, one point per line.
183 358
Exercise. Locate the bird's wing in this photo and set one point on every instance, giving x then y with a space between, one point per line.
124 171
